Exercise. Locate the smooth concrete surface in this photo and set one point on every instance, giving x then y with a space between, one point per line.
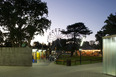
49 69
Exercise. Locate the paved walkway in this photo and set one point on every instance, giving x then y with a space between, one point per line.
47 69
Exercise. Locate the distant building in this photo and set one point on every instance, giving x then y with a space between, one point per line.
89 51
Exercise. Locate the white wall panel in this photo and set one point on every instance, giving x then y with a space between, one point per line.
109 55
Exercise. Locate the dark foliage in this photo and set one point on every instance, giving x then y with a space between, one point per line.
22 19
75 31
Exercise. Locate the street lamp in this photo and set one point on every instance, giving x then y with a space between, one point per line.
81 46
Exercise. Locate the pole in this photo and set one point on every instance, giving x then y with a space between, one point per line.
80 55
81 46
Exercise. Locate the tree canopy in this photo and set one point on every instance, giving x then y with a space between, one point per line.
1 37
75 31
22 19
59 44
108 29
110 25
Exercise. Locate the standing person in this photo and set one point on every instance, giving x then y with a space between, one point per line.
46 56
50 58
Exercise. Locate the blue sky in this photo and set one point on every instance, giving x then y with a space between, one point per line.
92 13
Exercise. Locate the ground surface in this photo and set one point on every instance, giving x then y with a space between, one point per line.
49 69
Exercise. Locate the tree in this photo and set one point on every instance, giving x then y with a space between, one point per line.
22 19
37 45
110 25
86 45
99 36
108 29
94 44
1 38
59 44
76 30
56 45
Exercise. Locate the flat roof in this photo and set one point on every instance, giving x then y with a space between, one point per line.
109 36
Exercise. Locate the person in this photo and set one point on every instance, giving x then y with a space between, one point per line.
50 58
46 57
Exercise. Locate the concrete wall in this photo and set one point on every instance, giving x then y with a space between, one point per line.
109 55
15 56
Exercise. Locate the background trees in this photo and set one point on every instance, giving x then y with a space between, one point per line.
1 38
59 45
99 36
108 29
75 31
22 19
110 25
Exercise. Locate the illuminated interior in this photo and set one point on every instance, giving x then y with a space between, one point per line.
38 54
94 52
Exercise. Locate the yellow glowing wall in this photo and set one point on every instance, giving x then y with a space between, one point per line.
38 54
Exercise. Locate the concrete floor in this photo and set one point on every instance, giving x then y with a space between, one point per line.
49 69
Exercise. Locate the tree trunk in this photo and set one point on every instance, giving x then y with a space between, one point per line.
73 45
29 41
71 54
19 43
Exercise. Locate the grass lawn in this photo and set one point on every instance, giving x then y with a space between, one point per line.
75 60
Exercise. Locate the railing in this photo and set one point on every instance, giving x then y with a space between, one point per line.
77 62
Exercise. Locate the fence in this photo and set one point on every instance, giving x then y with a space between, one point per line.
77 62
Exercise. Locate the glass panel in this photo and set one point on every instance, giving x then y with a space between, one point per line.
109 55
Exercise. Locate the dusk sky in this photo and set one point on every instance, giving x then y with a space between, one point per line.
92 13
